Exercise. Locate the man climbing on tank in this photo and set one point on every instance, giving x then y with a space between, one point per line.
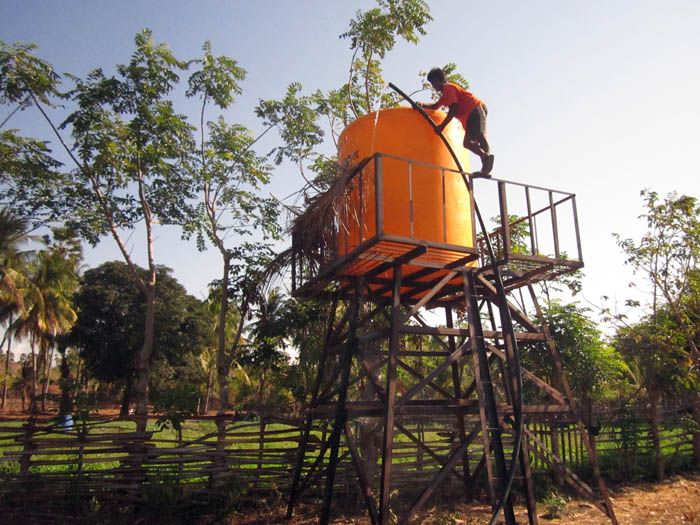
469 110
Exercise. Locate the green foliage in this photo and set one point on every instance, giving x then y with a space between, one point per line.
176 392
217 78
109 330
663 345
657 352
28 178
595 369
130 144
296 122
555 504
23 75
372 35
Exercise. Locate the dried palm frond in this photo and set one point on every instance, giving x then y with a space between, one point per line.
315 230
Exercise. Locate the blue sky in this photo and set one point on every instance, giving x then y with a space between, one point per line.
595 98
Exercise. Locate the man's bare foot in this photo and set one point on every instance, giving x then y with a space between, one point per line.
488 165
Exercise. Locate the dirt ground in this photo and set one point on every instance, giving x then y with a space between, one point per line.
675 501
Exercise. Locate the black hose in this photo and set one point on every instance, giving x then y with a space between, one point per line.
506 319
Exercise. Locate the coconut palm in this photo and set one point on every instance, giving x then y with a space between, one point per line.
13 279
48 303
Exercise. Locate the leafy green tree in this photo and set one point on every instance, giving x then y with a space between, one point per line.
48 306
372 35
667 256
111 311
595 369
128 144
28 171
664 343
230 176
13 278
654 348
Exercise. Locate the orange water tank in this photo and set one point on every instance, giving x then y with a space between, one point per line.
420 201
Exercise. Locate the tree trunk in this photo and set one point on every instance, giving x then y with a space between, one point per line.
32 401
47 378
7 362
76 391
142 362
65 407
205 409
261 395
222 360
655 420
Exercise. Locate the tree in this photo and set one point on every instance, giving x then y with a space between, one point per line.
27 168
595 369
132 157
667 256
48 310
13 278
656 352
664 344
108 331
230 175
372 35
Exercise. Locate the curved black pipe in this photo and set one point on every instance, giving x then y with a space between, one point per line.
506 319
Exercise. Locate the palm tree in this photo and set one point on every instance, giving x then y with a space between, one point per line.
13 279
49 309
268 335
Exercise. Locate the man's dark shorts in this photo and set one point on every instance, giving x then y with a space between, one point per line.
476 123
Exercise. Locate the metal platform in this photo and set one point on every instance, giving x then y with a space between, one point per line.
527 243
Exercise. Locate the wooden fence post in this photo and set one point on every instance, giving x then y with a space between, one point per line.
27 447
554 431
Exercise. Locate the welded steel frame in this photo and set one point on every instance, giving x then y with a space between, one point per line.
402 298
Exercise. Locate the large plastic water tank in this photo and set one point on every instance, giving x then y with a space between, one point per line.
419 202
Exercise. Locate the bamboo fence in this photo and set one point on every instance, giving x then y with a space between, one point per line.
47 471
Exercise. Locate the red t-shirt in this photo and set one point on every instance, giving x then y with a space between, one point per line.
466 101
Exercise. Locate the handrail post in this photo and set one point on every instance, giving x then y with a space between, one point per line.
555 228
379 211
505 226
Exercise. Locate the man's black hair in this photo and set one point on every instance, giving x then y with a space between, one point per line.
436 74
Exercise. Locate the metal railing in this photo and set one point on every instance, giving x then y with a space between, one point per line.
535 226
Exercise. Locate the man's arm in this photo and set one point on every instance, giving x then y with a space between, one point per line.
450 115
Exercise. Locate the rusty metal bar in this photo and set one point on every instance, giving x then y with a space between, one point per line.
341 412
309 418
410 201
487 404
531 222
505 224
555 226
457 390
388 440
378 194
578 233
